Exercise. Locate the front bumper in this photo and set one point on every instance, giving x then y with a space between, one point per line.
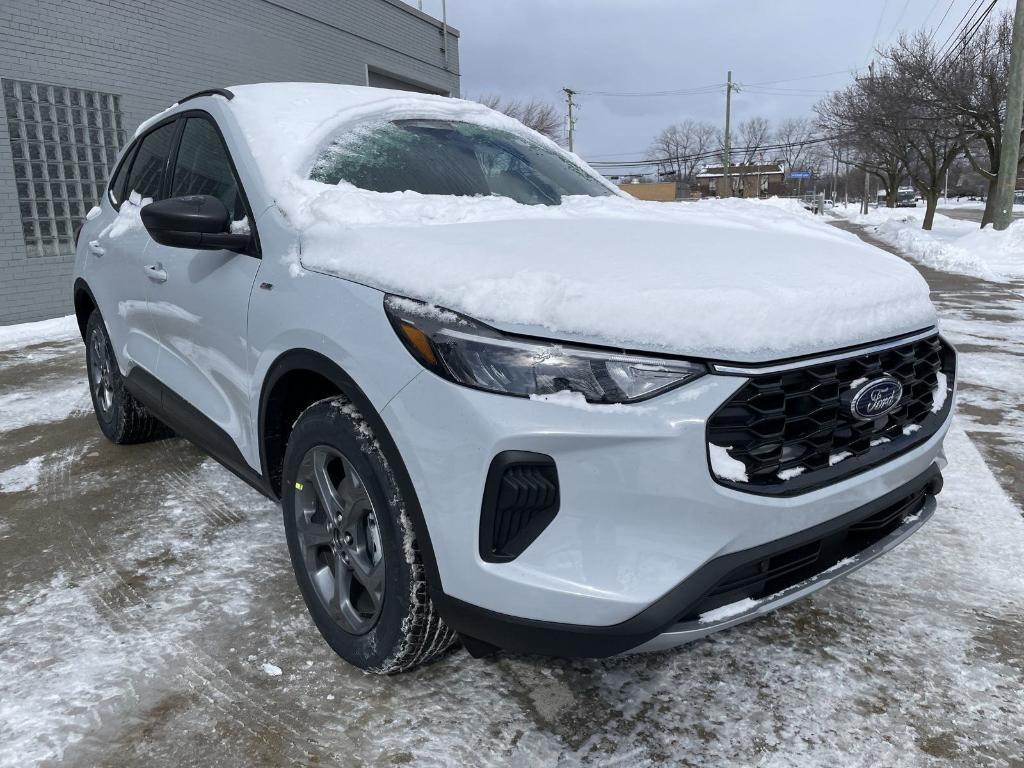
687 631
678 616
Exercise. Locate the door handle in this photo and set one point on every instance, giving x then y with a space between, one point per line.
155 273
95 248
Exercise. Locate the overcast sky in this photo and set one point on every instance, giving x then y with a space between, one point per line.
533 48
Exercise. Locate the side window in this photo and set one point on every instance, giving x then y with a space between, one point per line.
147 173
203 167
117 183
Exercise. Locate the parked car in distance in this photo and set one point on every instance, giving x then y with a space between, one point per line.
499 401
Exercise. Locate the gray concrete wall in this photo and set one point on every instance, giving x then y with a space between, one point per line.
149 53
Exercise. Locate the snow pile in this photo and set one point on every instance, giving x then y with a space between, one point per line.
28 334
729 279
27 406
952 245
24 477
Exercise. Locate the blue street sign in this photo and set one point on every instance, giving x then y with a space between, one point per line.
799 174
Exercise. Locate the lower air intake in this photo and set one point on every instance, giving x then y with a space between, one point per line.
520 501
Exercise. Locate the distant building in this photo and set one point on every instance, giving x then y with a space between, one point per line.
78 77
748 180
661 191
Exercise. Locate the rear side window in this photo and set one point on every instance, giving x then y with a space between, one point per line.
203 167
147 173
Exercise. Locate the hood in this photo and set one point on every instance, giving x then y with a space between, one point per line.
722 281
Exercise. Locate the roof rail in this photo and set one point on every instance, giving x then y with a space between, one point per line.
209 92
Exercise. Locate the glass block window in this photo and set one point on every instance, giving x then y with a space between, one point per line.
64 142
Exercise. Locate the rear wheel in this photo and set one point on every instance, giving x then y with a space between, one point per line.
352 545
121 417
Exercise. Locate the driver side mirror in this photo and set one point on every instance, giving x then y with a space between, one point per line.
201 222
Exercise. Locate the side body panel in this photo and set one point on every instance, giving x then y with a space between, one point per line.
110 257
200 314
341 320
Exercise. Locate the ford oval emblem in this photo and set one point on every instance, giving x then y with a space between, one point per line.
876 398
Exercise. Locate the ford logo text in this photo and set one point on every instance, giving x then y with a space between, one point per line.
876 398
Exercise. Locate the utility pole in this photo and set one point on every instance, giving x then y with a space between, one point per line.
867 176
727 155
1010 152
569 93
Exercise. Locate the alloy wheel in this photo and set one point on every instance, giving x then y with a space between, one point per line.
340 540
101 373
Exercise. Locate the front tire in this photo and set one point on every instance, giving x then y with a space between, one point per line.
122 418
352 545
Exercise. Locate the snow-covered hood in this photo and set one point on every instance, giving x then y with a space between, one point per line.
738 280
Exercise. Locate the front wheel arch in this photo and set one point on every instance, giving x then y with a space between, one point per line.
322 375
85 304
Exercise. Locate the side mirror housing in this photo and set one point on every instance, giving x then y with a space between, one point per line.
199 222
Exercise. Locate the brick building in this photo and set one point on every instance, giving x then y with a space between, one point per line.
79 75
749 180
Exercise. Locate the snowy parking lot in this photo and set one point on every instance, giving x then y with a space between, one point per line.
149 616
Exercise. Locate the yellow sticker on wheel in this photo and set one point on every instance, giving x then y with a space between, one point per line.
298 486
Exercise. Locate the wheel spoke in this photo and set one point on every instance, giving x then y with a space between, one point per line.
315 535
325 488
370 576
347 613
350 490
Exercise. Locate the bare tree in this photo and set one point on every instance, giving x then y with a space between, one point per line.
974 85
930 134
855 115
751 136
794 135
680 148
533 113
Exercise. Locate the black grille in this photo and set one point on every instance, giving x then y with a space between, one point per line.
773 573
800 421
520 500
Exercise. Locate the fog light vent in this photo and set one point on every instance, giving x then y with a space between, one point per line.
520 501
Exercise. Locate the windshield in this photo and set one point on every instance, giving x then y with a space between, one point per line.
440 157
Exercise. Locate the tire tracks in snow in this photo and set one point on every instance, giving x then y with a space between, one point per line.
223 690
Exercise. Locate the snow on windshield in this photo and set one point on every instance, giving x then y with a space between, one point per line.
731 279
446 157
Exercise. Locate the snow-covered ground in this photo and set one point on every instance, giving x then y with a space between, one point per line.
148 615
978 205
24 335
952 245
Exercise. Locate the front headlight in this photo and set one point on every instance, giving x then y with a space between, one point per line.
475 355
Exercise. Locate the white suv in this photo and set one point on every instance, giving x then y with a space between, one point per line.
498 400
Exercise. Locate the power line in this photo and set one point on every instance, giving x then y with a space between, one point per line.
936 5
806 77
878 27
785 91
695 91
939 25
713 153
971 11
902 12
968 32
